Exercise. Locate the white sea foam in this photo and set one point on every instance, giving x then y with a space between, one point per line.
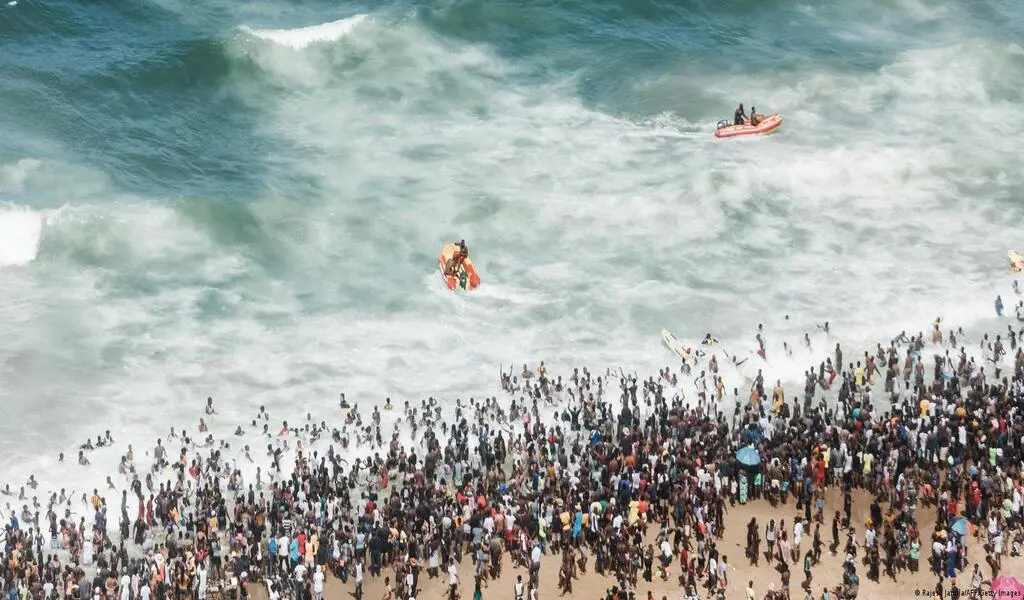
301 37
20 229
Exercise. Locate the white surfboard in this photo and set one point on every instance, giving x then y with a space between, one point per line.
1016 261
675 345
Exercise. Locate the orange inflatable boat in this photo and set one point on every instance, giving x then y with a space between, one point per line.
465 276
768 124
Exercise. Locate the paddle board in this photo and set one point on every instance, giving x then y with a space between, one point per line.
1016 261
675 345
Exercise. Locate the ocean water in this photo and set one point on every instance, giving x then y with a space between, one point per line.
245 200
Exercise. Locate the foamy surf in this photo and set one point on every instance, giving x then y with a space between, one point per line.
20 231
302 37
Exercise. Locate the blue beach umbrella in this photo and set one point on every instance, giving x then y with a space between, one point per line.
748 456
960 526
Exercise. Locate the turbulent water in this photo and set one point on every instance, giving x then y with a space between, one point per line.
246 200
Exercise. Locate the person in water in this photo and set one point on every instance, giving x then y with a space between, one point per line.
740 116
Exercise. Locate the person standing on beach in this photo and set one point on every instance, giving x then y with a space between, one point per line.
453 581
753 541
769 536
359 580
318 583
798 536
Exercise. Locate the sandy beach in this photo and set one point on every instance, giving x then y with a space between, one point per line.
591 585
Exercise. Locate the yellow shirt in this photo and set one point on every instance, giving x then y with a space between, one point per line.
634 511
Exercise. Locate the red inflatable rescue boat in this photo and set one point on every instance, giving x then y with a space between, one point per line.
465 276
768 124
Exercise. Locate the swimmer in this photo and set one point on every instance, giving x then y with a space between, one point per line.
209 406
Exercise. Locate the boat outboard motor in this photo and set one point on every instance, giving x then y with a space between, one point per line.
723 124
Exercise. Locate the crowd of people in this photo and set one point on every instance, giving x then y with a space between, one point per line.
627 478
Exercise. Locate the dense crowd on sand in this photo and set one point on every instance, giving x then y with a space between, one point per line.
902 463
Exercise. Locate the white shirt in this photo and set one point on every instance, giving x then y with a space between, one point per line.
535 555
453 575
318 582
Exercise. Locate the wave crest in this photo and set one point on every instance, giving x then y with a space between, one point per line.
302 37
20 230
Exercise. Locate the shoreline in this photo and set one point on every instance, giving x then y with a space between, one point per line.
310 438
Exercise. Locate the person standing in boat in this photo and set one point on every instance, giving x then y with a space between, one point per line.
739 116
454 265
